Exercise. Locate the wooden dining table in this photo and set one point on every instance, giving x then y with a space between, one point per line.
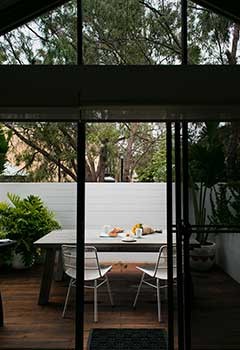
53 241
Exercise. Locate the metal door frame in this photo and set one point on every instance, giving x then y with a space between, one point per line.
182 230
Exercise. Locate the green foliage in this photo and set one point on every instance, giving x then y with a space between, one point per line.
50 149
156 168
114 32
120 32
209 36
58 36
103 139
225 204
26 220
207 156
206 165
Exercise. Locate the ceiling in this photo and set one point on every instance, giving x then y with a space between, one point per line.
14 13
228 8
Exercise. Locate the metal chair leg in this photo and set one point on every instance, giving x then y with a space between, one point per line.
109 291
67 297
95 302
138 291
158 301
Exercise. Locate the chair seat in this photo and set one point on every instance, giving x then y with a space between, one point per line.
71 272
93 274
89 274
161 272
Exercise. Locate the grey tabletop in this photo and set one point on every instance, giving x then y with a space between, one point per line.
57 238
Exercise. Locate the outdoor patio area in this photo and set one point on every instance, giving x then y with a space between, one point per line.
215 308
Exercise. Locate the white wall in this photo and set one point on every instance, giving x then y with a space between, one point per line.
121 204
116 204
228 248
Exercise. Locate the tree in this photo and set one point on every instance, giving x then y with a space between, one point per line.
123 32
206 167
50 149
49 39
156 169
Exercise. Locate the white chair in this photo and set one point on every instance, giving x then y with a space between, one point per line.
159 272
92 272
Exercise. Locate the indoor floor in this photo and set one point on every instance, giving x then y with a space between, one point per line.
215 317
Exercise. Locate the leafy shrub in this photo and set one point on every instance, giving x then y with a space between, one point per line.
25 221
226 205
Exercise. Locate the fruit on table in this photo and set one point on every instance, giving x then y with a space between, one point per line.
135 227
114 232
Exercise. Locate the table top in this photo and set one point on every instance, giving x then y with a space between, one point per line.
151 242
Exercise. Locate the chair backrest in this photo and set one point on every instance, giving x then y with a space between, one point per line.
91 262
69 254
162 258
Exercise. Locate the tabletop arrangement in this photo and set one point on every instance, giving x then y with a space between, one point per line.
136 232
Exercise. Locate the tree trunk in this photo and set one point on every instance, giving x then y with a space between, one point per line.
232 55
102 163
129 153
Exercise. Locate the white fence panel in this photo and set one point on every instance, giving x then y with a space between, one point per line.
124 204
118 204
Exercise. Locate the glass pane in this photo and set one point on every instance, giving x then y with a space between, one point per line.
45 151
133 156
48 39
127 152
214 203
212 38
131 32
36 199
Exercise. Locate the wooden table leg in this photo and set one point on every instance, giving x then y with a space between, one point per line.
47 276
1 311
58 275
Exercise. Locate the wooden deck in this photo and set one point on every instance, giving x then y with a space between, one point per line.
215 318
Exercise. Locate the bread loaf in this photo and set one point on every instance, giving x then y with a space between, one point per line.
147 230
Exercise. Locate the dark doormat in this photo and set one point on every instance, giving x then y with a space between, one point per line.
127 339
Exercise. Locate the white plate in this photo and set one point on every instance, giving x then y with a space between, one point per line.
105 235
122 234
129 239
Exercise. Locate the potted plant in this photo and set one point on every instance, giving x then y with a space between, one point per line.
206 169
25 221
